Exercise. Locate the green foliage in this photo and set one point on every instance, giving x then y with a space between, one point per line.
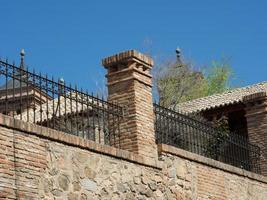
216 143
179 83
218 77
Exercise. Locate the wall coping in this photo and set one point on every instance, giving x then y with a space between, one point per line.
72 140
76 141
163 148
119 57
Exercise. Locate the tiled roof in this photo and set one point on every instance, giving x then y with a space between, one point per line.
218 100
61 106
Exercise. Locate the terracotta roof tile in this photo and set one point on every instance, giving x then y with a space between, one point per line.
61 106
223 99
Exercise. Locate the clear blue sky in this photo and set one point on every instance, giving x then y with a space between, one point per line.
69 38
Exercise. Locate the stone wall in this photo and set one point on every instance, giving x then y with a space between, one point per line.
41 163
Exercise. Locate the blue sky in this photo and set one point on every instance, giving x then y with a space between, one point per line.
69 38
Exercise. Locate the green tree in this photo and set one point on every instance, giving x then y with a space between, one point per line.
218 77
177 82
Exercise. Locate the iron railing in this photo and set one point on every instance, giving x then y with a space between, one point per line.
191 134
35 98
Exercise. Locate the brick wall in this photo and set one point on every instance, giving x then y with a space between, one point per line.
130 84
256 114
22 163
41 163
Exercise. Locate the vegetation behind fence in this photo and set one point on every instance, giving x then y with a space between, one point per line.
188 133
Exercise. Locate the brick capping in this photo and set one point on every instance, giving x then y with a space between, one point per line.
124 56
163 148
129 83
76 141
117 73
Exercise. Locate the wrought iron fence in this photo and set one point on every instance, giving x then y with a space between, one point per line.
191 134
35 98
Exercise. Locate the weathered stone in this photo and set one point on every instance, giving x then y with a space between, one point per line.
188 195
179 195
89 184
121 187
130 196
187 186
157 178
141 197
126 178
56 192
137 180
94 162
172 182
162 188
61 163
103 192
105 172
63 182
48 185
145 191
169 194
172 173
76 175
180 182
115 176
76 186
152 186
54 171
115 196
125 166
89 173
73 196
106 183
80 157
181 170
158 194
83 196
132 187
144 180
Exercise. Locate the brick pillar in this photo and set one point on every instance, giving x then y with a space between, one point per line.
130 84
256 114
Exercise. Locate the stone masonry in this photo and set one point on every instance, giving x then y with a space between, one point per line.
256 114
130 84
41 163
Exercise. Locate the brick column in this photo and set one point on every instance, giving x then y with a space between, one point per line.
256 114
130 84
